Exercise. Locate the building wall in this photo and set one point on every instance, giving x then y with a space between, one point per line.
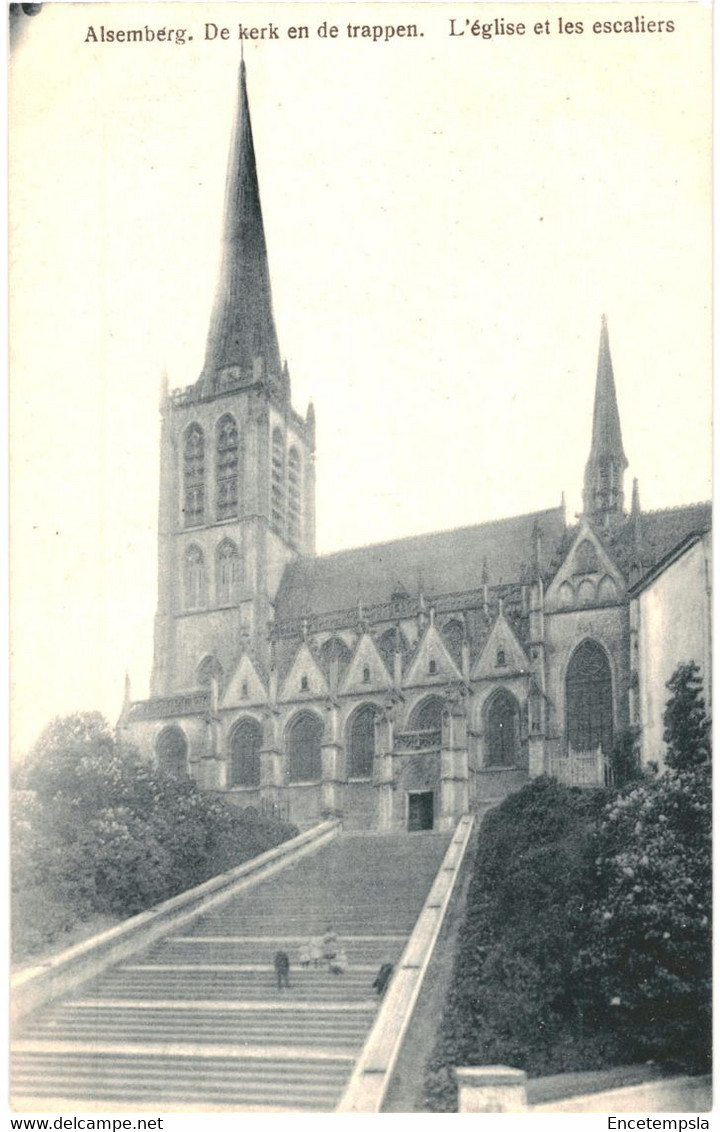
672 619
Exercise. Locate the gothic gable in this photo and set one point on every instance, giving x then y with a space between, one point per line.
588 575
367 671
432 663
304 677
245 686
502 653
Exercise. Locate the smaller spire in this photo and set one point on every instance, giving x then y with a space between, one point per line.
603 490
126 695
635 507
164 388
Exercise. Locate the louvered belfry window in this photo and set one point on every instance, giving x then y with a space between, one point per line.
277 482
294 496
194 461
228 452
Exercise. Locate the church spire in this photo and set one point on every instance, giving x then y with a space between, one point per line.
242 329
603 495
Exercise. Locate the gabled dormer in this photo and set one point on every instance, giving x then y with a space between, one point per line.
245 686
432 663
305 679
588 576
503 655
366 671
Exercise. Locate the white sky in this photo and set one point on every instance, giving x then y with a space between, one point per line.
446 218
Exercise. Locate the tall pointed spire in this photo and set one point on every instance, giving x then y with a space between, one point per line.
603 495
242 329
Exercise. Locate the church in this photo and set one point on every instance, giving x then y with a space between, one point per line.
400 685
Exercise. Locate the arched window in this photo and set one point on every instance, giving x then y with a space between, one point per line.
586 592
171 750
245 744
227 465
586 559
294 496
607 590
503 730
452 635
194 472
194 578
361 743
335 651
210 669
588 699
427 716
303 743
227 573
277 482
387 645
566 594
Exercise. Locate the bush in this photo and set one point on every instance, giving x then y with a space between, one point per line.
100 830
514 998
650 952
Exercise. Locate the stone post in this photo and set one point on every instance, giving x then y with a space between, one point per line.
272 771
333 765
454 795
384 743
492 1088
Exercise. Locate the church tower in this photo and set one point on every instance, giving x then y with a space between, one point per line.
603 496
237 478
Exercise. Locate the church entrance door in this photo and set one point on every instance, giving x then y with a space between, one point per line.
420 810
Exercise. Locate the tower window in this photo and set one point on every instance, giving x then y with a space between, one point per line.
194 469
227 457
227 573
194 578
277 482
210 669
294 496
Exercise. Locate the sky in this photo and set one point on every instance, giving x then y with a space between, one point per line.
447 218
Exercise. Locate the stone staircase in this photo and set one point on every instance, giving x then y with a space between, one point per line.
197 1020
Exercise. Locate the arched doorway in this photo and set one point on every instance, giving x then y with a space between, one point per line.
503 730
588 700
171 749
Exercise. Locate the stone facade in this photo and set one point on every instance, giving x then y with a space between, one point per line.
395 686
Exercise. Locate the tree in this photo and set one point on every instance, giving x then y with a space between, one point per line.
101 830
687 727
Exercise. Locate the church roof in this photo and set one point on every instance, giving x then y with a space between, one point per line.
660 532
242 326
440 563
